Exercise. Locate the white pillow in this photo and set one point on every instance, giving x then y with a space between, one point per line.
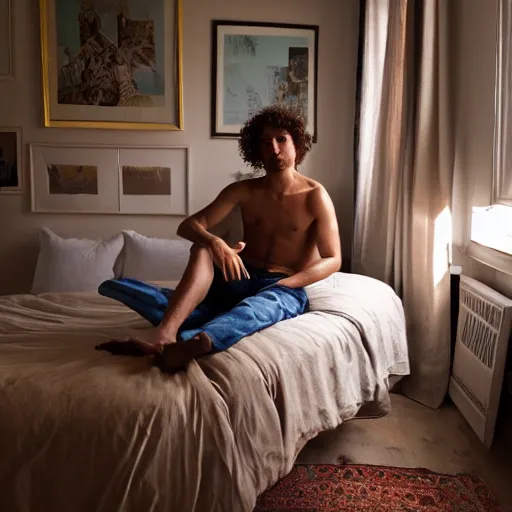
154 259
74 265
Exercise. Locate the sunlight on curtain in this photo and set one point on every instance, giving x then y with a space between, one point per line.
442 245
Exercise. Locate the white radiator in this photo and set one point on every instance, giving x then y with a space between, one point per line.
483 332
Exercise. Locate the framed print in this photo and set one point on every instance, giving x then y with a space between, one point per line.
153 180
73 179
109 180
255 65
6 60
11 168
112 64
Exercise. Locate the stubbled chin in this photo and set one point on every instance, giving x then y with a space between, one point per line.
275 166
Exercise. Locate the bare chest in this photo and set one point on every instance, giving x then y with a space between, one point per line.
287 217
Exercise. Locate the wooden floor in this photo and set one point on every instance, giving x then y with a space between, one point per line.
415 436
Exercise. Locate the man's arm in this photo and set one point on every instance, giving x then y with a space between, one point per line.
195 227
327 241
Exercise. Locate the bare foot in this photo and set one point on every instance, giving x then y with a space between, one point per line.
176 356
132 347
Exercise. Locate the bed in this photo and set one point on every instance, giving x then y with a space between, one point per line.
84 430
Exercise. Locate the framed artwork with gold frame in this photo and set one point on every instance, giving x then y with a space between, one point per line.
113 64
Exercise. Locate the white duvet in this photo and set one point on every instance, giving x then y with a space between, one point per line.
82 430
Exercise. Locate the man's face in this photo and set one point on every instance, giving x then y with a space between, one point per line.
277 149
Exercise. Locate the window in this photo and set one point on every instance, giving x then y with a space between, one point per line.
502 183
491 226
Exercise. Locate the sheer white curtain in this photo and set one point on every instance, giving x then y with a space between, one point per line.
403 220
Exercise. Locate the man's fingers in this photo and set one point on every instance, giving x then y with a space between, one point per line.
244 270
232 270
238 272
239 247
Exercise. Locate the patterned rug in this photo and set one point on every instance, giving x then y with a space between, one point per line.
334 488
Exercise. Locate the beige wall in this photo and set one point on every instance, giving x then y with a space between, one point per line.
473 64
212 160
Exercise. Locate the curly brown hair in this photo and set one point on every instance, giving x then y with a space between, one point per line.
275 116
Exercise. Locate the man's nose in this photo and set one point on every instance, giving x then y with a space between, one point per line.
275 147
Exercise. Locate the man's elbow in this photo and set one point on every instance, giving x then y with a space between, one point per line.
337 262
185 226
182 228
333 261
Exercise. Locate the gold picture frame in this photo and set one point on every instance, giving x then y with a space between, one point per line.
129 101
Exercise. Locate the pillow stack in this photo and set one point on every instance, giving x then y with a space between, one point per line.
81 265
153 259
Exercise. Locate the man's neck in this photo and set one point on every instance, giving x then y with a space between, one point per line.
281 181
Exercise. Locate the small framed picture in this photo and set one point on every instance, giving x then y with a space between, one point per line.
255 65
153 180
11 169
73 179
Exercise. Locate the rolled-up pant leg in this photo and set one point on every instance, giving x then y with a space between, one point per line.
151 301
148 300
269 306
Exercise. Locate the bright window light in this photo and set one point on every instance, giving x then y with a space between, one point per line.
492 226
442 245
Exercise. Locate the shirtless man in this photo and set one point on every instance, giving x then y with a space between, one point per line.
291 240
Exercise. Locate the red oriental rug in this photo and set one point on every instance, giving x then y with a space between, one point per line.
335 488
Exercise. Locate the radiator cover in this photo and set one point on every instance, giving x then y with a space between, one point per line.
483 331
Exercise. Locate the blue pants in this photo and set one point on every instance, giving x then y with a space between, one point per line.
230 311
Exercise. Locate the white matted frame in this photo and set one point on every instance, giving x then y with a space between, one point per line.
109 161
6 41
11 155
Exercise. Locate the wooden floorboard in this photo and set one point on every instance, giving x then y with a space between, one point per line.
415 436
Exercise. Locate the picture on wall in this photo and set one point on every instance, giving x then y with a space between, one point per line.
255 65
11 170
106 179
72 179
6 61
151 181
112 63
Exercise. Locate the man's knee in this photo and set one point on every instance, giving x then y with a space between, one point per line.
196 249
199 252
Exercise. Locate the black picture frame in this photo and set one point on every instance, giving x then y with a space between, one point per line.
292 90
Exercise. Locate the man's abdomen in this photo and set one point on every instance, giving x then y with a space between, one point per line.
287 254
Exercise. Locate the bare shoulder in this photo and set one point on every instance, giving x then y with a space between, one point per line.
318 197
235 192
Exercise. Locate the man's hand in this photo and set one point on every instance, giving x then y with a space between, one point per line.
227 259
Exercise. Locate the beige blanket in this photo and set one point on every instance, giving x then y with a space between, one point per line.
82 430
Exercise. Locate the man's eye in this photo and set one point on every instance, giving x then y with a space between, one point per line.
281 139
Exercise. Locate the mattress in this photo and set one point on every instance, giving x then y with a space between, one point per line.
84 430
